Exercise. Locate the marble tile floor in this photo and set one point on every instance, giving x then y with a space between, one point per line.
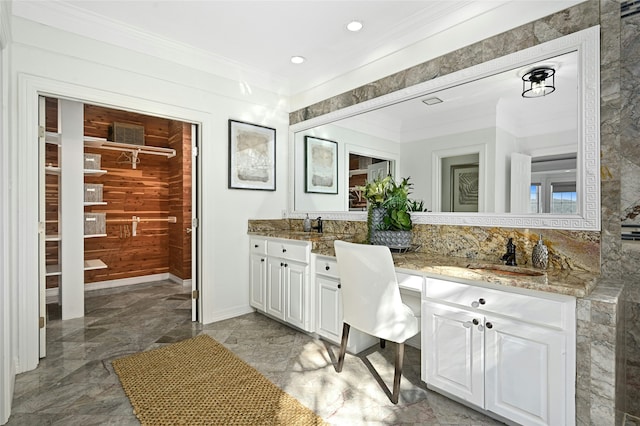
76 385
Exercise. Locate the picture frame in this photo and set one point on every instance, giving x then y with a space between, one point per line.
252 156
321 165
464 188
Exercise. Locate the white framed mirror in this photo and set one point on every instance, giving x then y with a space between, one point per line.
571 112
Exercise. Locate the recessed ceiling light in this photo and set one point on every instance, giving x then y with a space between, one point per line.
354 26
297 59
432 101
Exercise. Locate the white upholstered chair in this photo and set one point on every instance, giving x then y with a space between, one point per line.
371 301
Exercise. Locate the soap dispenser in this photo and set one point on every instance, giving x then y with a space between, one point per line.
540 255
306 225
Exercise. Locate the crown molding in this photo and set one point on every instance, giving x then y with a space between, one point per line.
5 23
69 18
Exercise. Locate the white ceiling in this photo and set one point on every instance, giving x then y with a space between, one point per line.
261 36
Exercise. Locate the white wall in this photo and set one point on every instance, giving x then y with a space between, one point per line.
44 60
7 323
348 141
416 160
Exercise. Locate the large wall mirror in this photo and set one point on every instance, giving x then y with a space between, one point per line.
478 152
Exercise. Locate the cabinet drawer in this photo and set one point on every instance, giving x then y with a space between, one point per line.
288 250
258 245
327 266
539 310
412 283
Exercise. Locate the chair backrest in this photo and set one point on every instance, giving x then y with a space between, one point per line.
370 294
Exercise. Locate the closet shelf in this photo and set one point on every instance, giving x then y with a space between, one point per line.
94 172
94 235
52 138
95 203
90 265
117 146
53 270
51 170
52 238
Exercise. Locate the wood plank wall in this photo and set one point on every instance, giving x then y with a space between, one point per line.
180 200
142 192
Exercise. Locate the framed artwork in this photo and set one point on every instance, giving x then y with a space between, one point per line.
252 156
321 165
464 188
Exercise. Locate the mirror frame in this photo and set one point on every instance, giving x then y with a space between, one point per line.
587 44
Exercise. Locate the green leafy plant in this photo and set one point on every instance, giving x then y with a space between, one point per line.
392 196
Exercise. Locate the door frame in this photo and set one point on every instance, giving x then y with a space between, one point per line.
30 88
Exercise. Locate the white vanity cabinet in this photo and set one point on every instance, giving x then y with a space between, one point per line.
328 299
258 273
508 352
279 279
329 304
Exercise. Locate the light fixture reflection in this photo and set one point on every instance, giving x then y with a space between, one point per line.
536 82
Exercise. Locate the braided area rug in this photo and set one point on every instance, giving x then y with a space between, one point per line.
200 382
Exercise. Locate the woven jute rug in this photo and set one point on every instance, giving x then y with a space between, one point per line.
200 382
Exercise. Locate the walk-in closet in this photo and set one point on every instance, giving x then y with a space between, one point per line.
117 200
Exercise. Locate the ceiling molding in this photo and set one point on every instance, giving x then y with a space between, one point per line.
84 23
5 23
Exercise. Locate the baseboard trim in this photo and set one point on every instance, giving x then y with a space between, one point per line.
52 293
229 313
178 280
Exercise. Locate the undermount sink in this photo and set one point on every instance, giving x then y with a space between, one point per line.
505 270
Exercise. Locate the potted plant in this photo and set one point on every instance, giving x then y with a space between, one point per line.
389 217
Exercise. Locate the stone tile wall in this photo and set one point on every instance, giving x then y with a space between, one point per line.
630 195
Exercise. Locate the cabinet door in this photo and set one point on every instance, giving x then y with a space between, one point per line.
453 351
296 295
329 309
525 372
258 279
275 287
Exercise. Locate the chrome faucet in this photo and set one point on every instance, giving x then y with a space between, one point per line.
509 257
319 225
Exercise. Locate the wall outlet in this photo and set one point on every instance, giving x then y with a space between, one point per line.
284 214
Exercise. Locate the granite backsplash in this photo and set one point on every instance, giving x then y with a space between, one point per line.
568 250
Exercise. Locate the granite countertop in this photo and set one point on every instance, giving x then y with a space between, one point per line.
568 282
300 235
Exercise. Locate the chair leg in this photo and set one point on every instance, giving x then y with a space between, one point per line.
398 373
343 345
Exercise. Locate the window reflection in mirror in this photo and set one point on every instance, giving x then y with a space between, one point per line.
553 185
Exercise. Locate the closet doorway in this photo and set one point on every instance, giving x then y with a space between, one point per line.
118 203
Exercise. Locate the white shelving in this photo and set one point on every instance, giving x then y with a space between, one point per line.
95 203
53 270
94 235
94 172
53 237
52 170
126 147
93 264
52 138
